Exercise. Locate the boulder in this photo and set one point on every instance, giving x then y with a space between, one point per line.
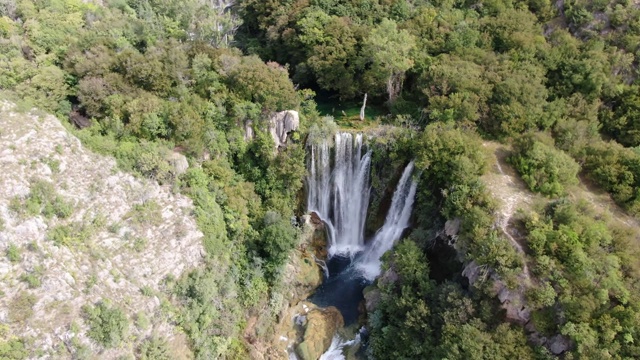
559 344
309 275
179 163
281 124
372 297
322 324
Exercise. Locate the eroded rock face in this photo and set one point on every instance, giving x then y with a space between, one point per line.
281 124
248 130
125 234
321 325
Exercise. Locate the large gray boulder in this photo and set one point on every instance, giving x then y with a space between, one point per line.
281 124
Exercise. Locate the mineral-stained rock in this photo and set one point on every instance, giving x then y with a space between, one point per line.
322 324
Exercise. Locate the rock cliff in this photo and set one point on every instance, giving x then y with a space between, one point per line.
76 231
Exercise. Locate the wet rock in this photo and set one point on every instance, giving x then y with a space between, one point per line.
372 298
388 277
309 274
322 324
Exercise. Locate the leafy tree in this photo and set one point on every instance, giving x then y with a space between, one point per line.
542 167
623 120
390 50
107 325
264 84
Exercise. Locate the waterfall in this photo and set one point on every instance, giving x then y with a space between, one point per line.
340 196
336 349
396 222
338 191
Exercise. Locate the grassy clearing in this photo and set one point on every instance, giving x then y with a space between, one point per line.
347 113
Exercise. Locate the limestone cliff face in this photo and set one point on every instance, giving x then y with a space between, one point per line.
111 236
281 124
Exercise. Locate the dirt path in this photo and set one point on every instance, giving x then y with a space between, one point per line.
512 193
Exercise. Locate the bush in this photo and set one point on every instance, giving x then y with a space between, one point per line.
33 278
616 169
154 348
107 326
14 349
544 168
278 238
71 234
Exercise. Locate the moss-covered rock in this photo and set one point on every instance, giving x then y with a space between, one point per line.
322 324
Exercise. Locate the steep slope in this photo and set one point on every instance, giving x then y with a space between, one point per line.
75 232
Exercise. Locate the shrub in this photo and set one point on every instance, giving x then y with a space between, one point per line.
154 348
33 279
42 199
107 325
544 168
615 168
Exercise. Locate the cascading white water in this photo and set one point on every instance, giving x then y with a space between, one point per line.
335 351
340 196
338 191
396 222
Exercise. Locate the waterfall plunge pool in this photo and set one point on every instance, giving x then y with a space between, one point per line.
342 289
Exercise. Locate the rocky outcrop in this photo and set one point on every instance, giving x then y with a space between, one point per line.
281 124
248 130
559 344
119 238
321 325
179 163
372 297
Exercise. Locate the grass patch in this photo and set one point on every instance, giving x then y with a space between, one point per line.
347 113
52 163
146 213
21 307
13 253
77 233
34 278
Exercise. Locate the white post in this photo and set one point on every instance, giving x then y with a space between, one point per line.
364 104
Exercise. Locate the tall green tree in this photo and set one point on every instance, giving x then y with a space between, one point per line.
389 57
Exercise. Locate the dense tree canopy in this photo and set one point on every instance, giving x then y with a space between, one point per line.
554 81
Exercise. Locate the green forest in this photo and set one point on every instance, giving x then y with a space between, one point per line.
554 82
